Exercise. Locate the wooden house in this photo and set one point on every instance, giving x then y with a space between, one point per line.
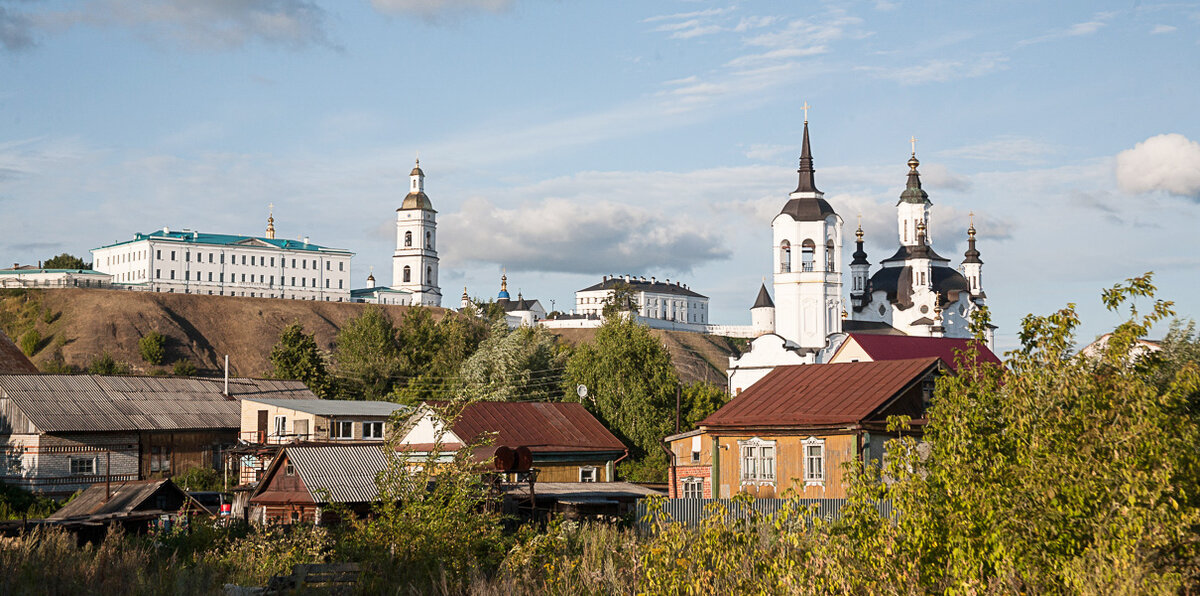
272 421
63 433
796 427
568 444
302 481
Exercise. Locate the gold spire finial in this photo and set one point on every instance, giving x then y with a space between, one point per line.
805 108
503 279
271 221
913 140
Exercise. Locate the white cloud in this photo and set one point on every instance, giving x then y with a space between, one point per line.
1167 162
437 9
1160 29
766 152
938 177
941 70
1097 22
1020 150
711 12
557 235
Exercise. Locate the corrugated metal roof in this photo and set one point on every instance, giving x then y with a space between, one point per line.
12 360
347 472
62 403
901 347
541 426
333 407
819 394
203 238
124 498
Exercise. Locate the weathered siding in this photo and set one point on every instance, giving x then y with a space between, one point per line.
789 466
178 452
569 471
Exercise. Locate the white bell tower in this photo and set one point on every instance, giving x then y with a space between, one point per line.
415 262
808 262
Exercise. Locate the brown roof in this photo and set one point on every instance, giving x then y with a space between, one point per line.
540 426
898 347
12 360
821 394
60 403
123 499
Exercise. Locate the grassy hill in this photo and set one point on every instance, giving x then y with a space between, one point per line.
76 325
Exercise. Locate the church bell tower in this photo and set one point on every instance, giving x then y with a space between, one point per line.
415 262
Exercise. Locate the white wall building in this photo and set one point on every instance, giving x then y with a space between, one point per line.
415 262
191 262
656 300
37 277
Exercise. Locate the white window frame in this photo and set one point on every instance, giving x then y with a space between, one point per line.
757 461
90 461
373 425
814 465
280 425
692 487
338 429
588 474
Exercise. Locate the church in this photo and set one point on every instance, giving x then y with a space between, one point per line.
914 292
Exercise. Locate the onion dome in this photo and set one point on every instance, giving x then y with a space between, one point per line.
811 205
370 280
416 198
503 287
860 255
972 254
912 190
764 299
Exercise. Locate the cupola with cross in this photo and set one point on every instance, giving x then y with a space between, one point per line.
415 262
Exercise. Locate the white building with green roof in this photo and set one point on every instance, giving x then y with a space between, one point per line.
191 262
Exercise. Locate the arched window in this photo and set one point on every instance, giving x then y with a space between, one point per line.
408 239
807 251
429 275
428 239
407 274
785 257
829 255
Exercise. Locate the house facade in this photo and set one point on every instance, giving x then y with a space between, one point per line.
62 433
303 480
792 431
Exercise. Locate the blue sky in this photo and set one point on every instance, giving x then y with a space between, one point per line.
566 140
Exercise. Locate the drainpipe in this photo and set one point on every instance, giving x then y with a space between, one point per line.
716 467
610 469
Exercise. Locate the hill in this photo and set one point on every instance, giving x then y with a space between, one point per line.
76 325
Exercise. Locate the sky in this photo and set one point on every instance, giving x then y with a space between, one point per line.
566 140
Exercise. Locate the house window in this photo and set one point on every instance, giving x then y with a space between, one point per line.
289 469
83 465
814 461
587 474
407 273
693 488
373 430
280 426
158 254
172 255
343 429
160 459
758 461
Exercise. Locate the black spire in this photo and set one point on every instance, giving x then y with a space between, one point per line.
912 190
764 299
972 255
860 255
807 183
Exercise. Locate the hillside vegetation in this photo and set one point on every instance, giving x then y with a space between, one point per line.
75 326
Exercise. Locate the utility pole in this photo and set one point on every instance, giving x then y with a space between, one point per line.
678 404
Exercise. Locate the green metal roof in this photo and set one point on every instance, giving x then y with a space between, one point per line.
202 238
23 271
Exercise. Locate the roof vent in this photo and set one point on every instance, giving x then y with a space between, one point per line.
653 280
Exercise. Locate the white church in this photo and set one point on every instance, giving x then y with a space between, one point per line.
914 292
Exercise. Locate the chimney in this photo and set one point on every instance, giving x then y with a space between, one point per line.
653 280
227 375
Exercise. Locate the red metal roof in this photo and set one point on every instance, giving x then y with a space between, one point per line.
900 347
820 394
541 426
12 360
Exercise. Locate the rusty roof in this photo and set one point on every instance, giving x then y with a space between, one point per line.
821 394
540 426
123 499
901 347
62 403
12 360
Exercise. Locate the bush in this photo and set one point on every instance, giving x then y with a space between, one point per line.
153 347
105 364
50 316
30 341
183 368
199 479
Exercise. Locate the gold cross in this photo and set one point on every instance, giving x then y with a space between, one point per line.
271 207
913 140
972 216
805 108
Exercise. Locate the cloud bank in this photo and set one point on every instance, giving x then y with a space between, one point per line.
1167 162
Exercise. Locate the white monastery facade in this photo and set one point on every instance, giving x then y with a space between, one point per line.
656 300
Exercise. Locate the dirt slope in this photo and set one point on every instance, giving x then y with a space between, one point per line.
79 324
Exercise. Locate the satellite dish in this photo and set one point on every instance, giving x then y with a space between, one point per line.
581 391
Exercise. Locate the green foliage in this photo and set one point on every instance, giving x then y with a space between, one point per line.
620 299
30 342
699 400
183 368
49 316
65 261
520 365
631 385
153 347
430 353
18 503
296 356
367 355
105 364
199 479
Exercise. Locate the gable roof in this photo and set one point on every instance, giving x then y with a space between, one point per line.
60 403
124 499
334 473
333 407
12 359
540 426
900 347
821 394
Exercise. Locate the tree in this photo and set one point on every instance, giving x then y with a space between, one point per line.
30 341
183 368
620 299
1055 473
630 387
105 364
296 356
367 356
523 364
65 261
430 353
699 400
153 347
